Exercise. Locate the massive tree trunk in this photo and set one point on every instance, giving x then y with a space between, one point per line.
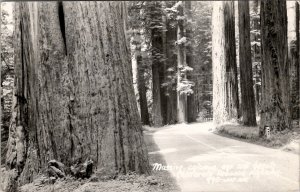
275 111
74 94
191 105
293 44
246 81
181 59
142 87
225 85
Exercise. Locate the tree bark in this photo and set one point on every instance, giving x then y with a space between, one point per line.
293 45
156 89
225 85
142 87
0 97
74 93
191 105
171 36
163 68
157 51
181 58
256 54
246 80
275 111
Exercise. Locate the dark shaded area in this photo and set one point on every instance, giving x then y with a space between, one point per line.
61 16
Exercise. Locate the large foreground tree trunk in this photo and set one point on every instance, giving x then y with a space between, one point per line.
275 111
74 93
246 81
225 84
293 45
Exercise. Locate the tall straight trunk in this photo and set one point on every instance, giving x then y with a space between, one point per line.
1 93
163 68
142 88
171 36
246 80
157 51
156 79
256 55
181 59
275 111
293 45
225 85
191 105
74 94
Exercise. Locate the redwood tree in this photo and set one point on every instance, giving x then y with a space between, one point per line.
293 45
275 111
157 63
181 64
191 104
225 85
246 81
256 51
142 86
74 97
171 78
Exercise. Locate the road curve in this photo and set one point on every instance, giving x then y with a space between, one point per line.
205 162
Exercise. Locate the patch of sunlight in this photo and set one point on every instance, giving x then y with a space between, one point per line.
219 155
207 157
164 151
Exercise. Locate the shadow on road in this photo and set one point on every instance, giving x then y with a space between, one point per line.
169 181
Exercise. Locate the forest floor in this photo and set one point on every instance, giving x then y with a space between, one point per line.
287 140
158 181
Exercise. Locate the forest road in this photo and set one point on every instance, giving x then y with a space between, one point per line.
202 161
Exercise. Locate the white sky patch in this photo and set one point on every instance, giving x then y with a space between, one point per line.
8 6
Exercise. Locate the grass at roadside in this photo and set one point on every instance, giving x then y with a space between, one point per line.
158 181
287 140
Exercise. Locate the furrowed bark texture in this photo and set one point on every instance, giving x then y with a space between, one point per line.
293 45
181 59
275 111
74 92
246 81
225 85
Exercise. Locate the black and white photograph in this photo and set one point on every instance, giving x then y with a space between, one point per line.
150 96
